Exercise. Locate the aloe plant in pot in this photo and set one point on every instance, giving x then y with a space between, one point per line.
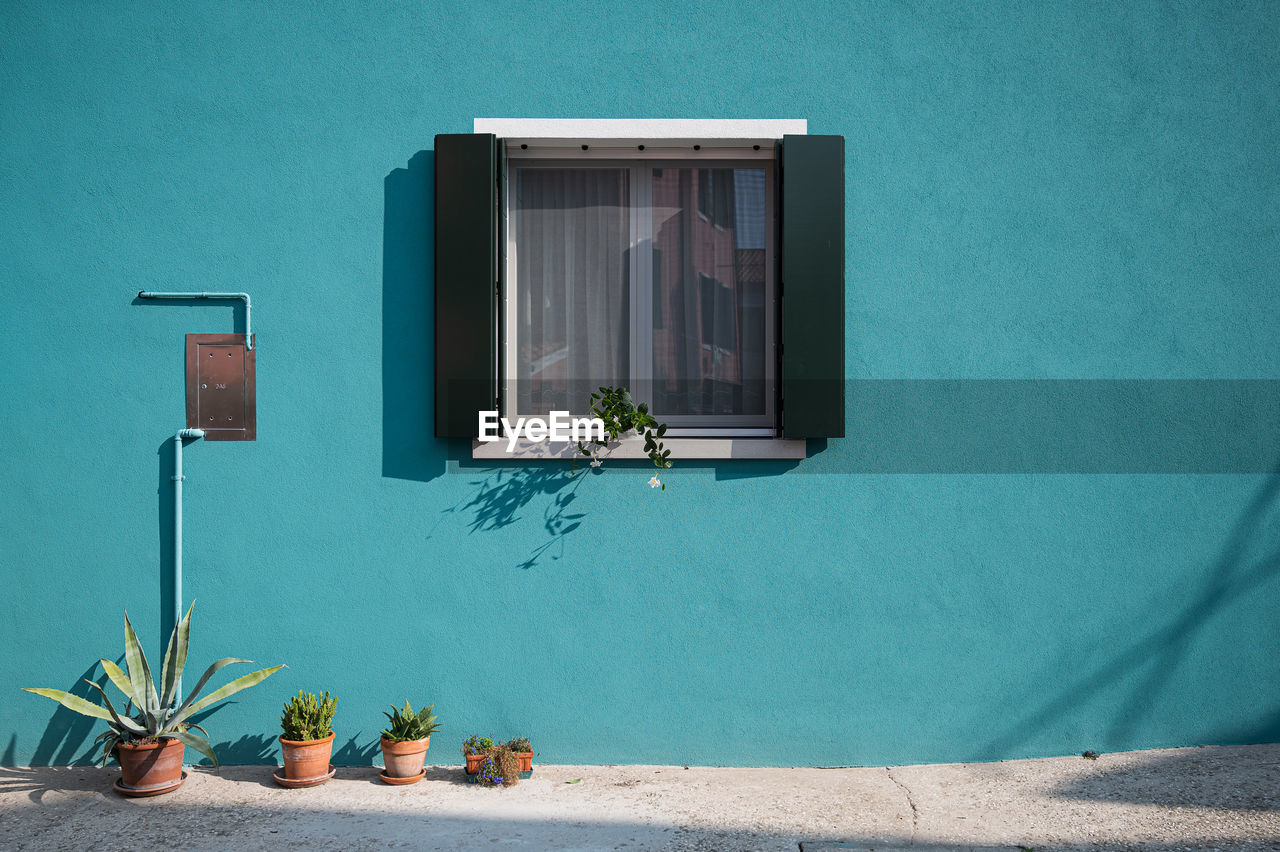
149 743
405 742
307 742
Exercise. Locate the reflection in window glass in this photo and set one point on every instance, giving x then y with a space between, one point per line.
709 294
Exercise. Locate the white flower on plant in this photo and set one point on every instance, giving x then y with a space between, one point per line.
654 482
596 462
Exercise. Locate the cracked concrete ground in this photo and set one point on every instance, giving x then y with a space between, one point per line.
1200 798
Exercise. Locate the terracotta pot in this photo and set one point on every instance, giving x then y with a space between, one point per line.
526 760
474 761
305 760
151 765
404 759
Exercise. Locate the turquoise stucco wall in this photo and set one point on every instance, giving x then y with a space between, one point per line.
1086 192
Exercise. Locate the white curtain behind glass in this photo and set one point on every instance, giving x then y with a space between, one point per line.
573 235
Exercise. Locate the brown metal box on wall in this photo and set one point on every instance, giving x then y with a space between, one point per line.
221 389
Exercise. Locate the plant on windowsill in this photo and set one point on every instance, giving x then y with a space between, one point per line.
405 742
149 745
621 415
523 750
476 750
307 742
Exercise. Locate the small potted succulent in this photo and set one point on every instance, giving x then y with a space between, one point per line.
405 742
523 751
150 743
476 751
307 742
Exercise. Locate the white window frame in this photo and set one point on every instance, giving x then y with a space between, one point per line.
690 140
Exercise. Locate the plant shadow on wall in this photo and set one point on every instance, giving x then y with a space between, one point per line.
264 750
507 489
1248 560
255 749
67 737
408 320
355 753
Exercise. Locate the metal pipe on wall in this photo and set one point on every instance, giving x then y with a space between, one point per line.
182 434
244 297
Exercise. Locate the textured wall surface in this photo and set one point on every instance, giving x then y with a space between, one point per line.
1088 192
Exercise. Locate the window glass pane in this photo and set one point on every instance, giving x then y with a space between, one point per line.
709 291
573 235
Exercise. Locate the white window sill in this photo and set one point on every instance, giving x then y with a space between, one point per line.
633 448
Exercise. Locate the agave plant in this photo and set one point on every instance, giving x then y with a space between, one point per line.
407 726
157 717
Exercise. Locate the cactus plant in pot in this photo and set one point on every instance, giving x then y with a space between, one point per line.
307 742
405 742
149 737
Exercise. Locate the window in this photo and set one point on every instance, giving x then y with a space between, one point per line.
700 264
649 271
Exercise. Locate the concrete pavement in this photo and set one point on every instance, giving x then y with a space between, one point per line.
1198 798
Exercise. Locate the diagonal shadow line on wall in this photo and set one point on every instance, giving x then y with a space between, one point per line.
1232 577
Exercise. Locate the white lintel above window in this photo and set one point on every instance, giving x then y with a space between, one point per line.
714 136
722 132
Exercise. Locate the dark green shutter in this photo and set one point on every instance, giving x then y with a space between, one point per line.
466 275
812 248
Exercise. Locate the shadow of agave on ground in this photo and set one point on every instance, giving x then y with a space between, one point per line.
506 491
37 781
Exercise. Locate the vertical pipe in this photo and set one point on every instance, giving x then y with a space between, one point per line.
177 531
